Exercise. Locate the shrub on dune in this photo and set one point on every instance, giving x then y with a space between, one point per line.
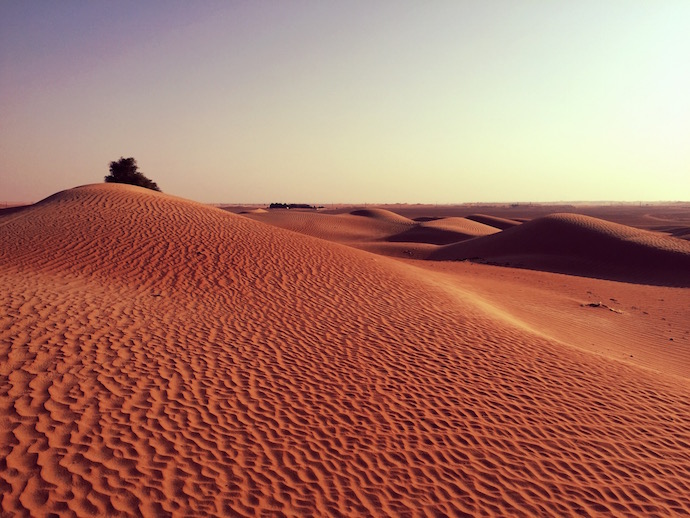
126 171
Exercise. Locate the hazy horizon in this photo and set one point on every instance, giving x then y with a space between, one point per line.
386 102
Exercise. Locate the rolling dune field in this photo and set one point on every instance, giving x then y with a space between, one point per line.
163 357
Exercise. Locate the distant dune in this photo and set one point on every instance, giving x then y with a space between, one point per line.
162 357
443 231
582 245
382 215
566 243
343 228
377 230
494 221
681 232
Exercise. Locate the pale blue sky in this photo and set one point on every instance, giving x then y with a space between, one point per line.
322 102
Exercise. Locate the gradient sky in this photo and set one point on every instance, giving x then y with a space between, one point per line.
331 102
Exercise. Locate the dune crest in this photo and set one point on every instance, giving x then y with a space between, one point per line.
383 215
164 357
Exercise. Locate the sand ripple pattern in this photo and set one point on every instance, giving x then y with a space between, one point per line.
160 357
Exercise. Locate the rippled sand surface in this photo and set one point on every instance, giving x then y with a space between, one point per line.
158 357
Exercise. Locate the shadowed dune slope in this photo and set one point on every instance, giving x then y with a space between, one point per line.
681 232
443 231
494 221
582 245
162 357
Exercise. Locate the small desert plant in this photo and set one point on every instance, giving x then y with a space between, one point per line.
126 170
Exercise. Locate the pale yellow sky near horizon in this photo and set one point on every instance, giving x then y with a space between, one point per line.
325 102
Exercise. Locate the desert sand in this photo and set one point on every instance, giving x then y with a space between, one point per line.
164 357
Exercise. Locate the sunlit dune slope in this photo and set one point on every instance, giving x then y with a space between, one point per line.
162 357
342 228
382 215
375 229
463 226
582 245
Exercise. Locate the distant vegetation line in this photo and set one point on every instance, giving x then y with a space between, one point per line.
291 206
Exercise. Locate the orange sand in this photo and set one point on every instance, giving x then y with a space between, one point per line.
583 245
163 357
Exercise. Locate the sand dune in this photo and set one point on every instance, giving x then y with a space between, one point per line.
682 232
382 215
341 228
375 229
401 250
638 324
443 231
494 221
582 245
162 357
463 226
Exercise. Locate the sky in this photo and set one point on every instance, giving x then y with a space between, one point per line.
349 101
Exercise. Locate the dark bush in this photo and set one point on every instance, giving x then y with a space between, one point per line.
126 170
